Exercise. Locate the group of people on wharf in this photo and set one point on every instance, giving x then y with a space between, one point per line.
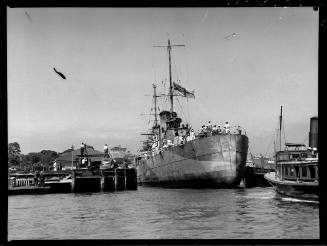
84 160
107 155
56 166
105 150
39 178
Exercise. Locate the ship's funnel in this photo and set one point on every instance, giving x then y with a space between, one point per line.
313 134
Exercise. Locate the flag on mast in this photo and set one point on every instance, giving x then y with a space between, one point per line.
183 91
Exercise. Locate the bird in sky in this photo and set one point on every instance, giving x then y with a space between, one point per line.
60 74
28 16
232 35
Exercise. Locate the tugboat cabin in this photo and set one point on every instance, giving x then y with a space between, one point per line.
297 163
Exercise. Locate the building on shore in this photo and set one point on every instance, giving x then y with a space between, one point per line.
69 158
121 155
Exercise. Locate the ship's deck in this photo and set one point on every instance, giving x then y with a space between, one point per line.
271 177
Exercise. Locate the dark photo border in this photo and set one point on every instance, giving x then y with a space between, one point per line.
316 5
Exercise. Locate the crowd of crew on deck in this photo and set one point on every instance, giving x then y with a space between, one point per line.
205 131
209 129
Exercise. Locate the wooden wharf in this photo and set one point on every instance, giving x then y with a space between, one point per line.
84 180
78 180
131 179
119 179
108 181
28 183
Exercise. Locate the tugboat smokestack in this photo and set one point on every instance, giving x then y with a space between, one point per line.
313 134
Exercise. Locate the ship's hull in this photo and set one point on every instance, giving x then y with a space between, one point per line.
254 177
303 190
215 161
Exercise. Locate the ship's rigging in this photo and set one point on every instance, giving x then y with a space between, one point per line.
169 47
175 90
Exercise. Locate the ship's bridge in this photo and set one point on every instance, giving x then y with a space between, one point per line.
169 120
294 151
295 146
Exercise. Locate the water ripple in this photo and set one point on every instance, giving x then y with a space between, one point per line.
153 213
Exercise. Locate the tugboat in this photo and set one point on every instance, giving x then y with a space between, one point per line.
296 172
174 156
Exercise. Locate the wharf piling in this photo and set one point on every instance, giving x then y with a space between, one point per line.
85 181
108 180
119 179
131 179
81 179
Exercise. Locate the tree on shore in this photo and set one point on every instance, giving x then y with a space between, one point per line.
14 154
48 156
36 160
31 161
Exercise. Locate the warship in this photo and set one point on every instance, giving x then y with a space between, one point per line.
173 155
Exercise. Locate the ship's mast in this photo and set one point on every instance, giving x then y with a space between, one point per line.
72 156
280 127
155 104
170 81
171 90
156 125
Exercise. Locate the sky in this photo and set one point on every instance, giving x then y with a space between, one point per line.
110 64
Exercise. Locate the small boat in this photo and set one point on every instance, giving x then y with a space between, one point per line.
59 185
296 172
108 163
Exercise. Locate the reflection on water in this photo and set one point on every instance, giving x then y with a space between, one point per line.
151 213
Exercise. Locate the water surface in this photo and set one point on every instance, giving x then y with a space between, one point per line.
160 213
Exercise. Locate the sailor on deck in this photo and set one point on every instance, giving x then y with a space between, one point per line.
314 152
226 127
82 149
165 145
84 161
188 137
155 148
176 139
180 140
202 130
209 126
214 130
106 150
192 135
208 129
55 165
